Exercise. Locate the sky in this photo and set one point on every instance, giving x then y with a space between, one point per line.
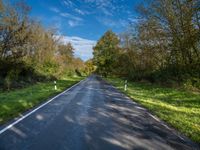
83 22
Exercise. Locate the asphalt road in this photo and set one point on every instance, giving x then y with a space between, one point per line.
92 116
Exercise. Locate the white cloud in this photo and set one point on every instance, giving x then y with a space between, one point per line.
67 15
79 11
105 7
73 20
109 22
68 3
54 9
83 47
106 11
73 23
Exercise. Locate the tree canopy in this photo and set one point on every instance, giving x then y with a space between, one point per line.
163 45
105 52
28 51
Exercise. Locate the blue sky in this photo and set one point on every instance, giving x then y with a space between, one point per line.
84 20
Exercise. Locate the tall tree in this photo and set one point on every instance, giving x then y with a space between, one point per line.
1 6
67 52
105 52
14 31
178 21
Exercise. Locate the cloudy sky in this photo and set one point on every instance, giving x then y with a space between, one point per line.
83 22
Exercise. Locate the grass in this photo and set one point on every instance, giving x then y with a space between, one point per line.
179 108
14 103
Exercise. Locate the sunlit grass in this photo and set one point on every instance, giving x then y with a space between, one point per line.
13 103
179 108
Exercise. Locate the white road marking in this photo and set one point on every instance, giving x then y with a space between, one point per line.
154 117
28 114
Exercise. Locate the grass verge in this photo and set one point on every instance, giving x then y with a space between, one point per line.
13 103
179 108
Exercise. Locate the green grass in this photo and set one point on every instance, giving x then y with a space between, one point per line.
179 108
13 103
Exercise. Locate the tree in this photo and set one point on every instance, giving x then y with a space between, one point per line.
165 42
164 45
14 31
67 52
105 52
178 23
89 67
30 52
1 7
78 66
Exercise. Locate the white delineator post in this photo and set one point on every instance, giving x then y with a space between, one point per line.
125 85
55 87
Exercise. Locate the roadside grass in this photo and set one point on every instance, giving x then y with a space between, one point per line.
14 103
179 108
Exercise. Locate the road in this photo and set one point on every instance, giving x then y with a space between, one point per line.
92 115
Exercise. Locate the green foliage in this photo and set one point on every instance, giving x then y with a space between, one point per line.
105 52
179 108
78 72
89 67
163 46
49 68
29 52
192 84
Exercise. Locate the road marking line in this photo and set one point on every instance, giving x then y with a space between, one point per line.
28 114
154 117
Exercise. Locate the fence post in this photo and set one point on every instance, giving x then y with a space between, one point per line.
55 86
125 85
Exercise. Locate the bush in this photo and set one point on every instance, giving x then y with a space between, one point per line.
18 75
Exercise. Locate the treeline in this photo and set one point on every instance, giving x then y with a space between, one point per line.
163 46
29 52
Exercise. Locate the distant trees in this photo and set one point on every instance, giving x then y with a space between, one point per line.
29 52
163 46
89 67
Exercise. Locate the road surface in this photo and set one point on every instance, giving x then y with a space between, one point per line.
92 115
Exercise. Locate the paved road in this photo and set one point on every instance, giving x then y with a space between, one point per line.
92 116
